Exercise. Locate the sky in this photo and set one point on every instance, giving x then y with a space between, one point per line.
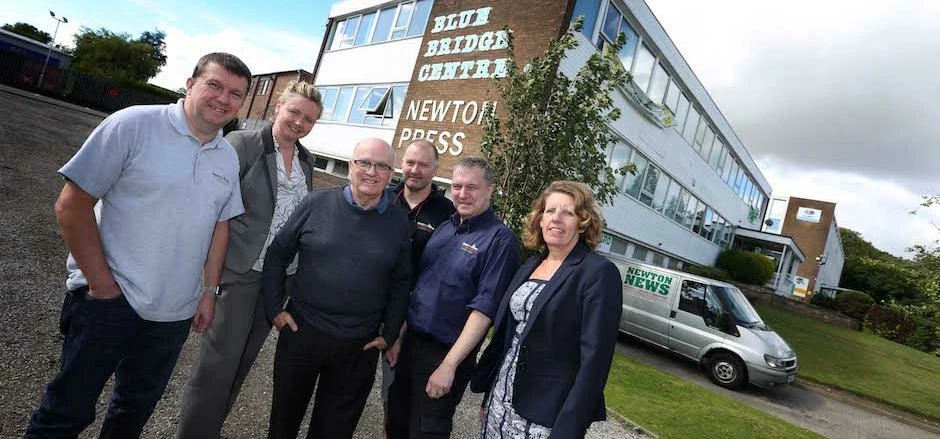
835 100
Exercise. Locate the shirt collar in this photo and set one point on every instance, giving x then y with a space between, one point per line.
277 146
473 222
181 125
380 206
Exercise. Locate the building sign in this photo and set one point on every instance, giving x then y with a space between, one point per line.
807 214
465 47
800 286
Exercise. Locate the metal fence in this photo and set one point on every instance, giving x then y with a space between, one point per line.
21 72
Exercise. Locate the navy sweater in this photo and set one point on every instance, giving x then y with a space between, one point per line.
354 271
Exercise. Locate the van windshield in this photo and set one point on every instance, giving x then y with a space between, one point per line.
735 301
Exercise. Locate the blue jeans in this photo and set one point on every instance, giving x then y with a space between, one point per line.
105 337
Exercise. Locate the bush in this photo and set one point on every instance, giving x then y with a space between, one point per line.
822 301
709 272
888 323
854 304
746 267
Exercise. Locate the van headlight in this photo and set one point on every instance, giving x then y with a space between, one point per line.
773 361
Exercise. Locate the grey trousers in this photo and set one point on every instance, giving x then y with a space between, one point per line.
227 351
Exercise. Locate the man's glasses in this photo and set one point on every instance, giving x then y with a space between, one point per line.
366 165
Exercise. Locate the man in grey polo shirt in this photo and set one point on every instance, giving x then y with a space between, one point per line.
145 206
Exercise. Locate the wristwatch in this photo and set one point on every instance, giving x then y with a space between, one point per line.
215 289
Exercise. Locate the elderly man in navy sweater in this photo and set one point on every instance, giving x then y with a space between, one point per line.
353 277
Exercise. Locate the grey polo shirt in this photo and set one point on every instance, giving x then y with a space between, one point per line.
161 193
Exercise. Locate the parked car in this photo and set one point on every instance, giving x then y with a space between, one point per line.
706 320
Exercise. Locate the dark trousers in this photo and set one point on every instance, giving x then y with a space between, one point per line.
104 337
411 412
345 373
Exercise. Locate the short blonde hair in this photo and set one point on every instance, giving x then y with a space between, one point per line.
303 89
592 222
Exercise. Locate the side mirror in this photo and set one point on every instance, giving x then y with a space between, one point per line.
727 323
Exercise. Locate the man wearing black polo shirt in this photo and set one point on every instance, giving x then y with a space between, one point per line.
427 208
463 274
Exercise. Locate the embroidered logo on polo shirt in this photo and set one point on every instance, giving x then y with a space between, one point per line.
425 226
220 179
469 248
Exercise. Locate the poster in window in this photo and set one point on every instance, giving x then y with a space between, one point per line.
606 241
800 286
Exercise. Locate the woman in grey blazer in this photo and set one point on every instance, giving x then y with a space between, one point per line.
275 173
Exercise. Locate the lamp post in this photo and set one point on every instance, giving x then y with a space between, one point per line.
49 52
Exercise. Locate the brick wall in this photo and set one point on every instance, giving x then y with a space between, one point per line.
261 107
533 22
810 236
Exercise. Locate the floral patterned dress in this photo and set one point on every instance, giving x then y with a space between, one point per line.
500 420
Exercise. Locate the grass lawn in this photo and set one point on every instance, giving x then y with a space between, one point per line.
673 408
860 362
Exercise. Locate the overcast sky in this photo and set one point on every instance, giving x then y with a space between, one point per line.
836 100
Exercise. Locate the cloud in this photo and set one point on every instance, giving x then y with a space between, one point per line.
826 84
879 209
262 49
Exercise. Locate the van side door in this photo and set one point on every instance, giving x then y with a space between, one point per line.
688 330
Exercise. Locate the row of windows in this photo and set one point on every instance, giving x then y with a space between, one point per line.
377 105
635 251
651 76
406 19
656 189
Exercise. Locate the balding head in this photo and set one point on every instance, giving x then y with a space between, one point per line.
418 166
372 165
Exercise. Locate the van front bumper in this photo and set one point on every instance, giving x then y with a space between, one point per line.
767 377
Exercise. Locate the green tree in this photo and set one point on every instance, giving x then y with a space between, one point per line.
29 31
552 127
118 57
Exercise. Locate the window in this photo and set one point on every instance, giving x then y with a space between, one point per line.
643 67
719 229
729 164
263 86
681 112
672 98
700 135
419 19
401 23
329 100
618 159
398 100
343 100
716 153
707 143
672 200
375 102
348 37
698 214
639 253
589 10
662 189
365 29
340 168
320 163
658 85
659 259
356 114
692 297
708 226
614 24
649 185
618 246
632 182
682 209
383 26
691 124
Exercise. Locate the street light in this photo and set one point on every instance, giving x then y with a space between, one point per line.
49 52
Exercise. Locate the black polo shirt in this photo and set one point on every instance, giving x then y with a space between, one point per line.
425 217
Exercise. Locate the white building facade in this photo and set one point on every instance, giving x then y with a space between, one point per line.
695 181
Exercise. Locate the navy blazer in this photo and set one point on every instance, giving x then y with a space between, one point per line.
567 345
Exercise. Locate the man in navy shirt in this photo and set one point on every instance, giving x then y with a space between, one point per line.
464 272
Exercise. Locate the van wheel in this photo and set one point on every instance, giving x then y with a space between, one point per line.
727 370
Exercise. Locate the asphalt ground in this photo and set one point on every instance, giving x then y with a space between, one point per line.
37 136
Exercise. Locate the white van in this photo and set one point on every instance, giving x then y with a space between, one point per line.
706 320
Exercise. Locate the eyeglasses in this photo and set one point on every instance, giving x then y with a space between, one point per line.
366 165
